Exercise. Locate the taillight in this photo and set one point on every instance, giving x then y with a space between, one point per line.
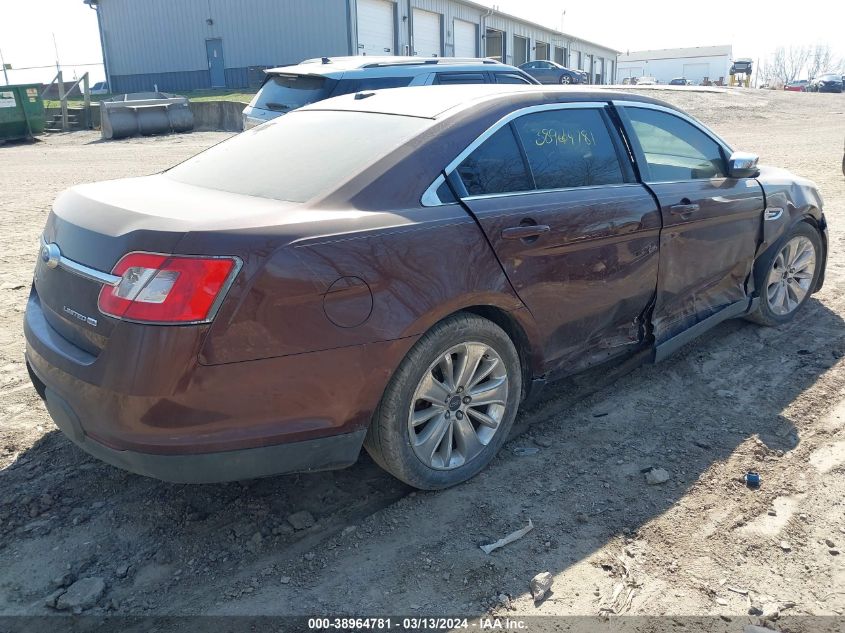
167 288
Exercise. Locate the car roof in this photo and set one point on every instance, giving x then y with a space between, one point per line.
432 102
329 66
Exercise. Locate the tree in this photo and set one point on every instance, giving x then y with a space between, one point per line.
787 63
822 61
765 73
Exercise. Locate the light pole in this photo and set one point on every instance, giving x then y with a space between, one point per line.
3 64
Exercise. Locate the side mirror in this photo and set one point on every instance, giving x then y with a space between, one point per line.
743 165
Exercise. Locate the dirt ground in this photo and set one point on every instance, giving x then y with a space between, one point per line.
741 398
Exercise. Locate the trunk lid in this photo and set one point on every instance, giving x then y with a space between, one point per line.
95 225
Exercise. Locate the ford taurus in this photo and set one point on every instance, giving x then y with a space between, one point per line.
399 270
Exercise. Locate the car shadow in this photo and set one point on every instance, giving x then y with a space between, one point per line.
594 434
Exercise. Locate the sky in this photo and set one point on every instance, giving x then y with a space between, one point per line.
754 29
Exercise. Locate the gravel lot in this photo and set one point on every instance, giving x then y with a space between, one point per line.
742 398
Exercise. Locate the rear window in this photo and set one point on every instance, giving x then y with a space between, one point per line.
287 92
298 156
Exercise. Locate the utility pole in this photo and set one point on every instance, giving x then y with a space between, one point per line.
3 64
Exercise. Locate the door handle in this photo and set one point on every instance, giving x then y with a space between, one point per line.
525 231
683 209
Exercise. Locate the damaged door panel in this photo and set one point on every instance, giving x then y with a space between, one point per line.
576 237
712 224
706 255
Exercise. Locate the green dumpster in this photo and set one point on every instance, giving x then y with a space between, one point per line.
21 111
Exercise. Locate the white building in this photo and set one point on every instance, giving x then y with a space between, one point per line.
697 64
199 44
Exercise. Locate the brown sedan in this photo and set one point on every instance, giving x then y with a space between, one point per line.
399 269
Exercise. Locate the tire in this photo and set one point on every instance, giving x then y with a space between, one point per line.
396 439
778 306
565 80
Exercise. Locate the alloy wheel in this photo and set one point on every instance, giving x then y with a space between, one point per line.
565 79
458 406
791 274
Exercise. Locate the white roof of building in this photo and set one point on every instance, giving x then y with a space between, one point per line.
677 53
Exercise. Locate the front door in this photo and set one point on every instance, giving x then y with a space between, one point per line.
711 223
576 236
214 51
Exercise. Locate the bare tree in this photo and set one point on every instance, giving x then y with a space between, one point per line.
765 73
787 63
820 61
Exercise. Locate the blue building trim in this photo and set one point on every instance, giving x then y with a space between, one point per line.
237 77
178 81
166 82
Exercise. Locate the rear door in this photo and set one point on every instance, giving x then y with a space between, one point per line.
545 73
554 193
712 223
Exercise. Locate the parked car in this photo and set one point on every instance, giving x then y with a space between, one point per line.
547 72
797 86
826 83
100 88
290 87
743 65
680 81
399 269
646 81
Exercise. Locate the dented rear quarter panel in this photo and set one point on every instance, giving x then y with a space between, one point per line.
362 287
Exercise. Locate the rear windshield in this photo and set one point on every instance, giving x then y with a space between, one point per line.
287 92
298 156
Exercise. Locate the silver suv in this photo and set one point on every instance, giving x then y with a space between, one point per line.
290 87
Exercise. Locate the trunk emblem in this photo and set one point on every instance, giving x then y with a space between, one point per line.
51 255
80 316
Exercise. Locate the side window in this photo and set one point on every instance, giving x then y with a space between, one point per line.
675 149
569 148
496 166
378 83
509 78
347 86
460 78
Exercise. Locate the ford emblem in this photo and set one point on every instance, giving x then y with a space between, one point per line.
50 255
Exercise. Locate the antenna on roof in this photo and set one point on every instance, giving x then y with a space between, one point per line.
325 60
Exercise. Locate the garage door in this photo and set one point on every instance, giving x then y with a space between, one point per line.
697 72
465 39
426 33
375 27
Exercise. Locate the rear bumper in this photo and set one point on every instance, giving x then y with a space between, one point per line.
325 453
145 404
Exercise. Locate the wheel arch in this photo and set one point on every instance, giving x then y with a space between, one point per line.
809 215
516 331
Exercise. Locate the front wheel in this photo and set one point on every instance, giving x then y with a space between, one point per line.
450 405
788 276
565 80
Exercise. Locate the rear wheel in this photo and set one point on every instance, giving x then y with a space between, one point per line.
788 276
450 405
565 79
